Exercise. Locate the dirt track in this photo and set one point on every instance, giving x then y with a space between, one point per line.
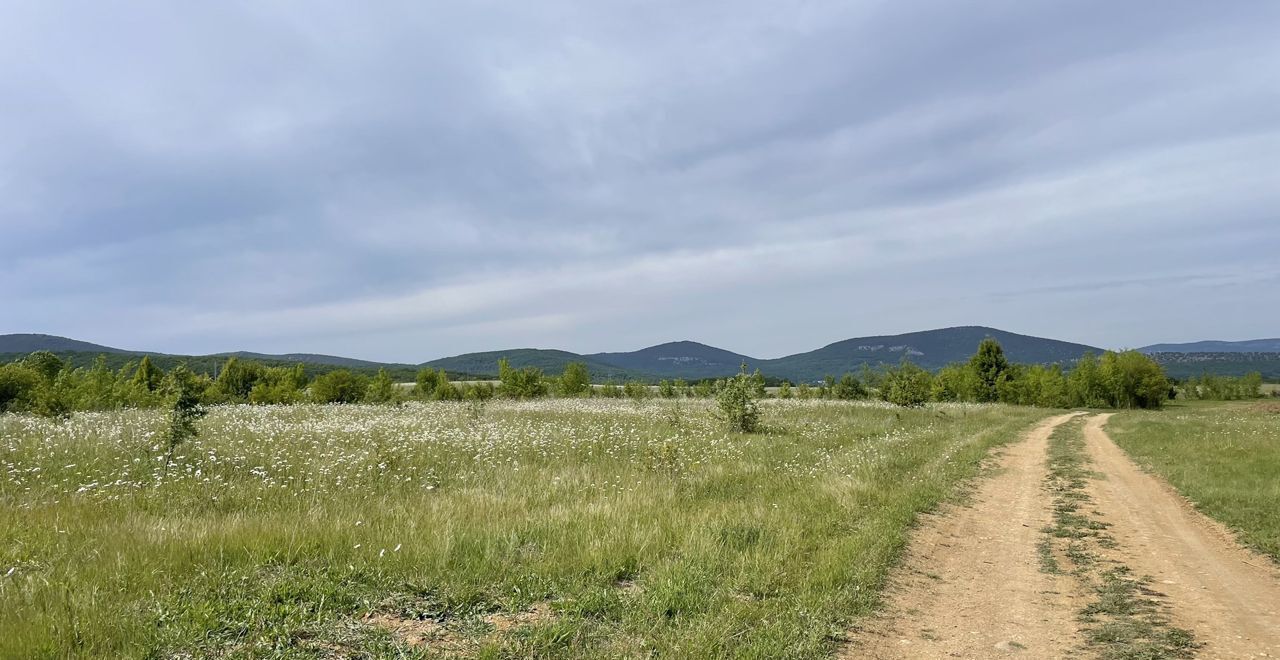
971 584
1227 596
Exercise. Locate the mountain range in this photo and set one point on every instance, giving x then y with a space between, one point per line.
691 360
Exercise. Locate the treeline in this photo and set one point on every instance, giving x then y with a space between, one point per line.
45 384
1223 388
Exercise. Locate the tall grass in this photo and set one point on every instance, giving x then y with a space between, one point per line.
644 527
1224 457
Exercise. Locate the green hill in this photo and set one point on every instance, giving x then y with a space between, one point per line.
931 349
551 362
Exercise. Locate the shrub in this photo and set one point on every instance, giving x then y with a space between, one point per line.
848 388
907 385
339 386
382 389
784 391
575 381
524 383
185 389
634 389
737 401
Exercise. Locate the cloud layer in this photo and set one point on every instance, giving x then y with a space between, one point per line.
413 180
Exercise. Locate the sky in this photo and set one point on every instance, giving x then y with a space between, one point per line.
403 181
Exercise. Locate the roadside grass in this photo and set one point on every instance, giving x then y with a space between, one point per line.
1125 618
565 528
1224 457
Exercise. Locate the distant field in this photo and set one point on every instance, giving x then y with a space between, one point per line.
1225 457
556 528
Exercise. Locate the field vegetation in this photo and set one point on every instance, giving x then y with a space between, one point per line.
551 527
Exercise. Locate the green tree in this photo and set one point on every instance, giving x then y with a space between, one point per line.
848 388
737 402
524 383
634 389
906 385
382 389
185 390
990 366
147 375
784 390
46 364
424 385
19 387
667 389
339 386
576 379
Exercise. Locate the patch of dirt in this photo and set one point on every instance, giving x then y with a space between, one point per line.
1273 408
1228 596
417 632
971 584
435 634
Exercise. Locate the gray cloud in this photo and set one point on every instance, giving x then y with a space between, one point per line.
408 181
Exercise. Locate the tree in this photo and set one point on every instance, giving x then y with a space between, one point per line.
184 388
848 388
424 385
1086 387
907 385
339 386
784 390
1134 380
524 383
667 390
990 366
45 363
382 389
635 389
576 380
737 402
147 375
19 385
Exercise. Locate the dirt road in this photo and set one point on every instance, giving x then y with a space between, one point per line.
971 585
1227 596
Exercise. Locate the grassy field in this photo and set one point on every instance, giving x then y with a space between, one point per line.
563 528
1225 457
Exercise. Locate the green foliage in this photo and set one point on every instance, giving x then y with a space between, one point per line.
737 402
848 388
634 389
667 390
956 382
906 385
523 383
481 391
382 389
1223 388
990 366
147 375
45 363
1134 380
185 389
575 381
339 386
610 390
19 387
784 391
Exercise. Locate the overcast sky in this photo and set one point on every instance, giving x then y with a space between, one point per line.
408 180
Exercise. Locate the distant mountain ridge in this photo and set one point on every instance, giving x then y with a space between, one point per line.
1213 346
691 360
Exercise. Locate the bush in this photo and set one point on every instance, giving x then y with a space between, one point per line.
185 389
339 386
634 389
525 383
737 401
907 385
575 381
848 389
